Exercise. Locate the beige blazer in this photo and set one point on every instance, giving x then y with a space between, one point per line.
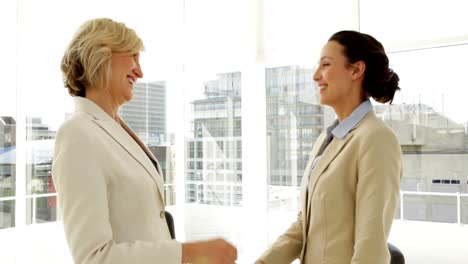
110 193
353 194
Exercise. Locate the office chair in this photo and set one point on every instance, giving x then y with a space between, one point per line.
396 257
170 223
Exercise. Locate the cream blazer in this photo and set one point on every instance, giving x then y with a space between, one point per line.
110 193
353 194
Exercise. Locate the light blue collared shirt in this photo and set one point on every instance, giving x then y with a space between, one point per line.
340 130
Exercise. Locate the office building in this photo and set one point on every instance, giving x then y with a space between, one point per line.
146 112
294 122
166 158
431 143
214 153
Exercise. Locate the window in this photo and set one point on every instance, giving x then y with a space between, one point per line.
429 121
191 149
8 117
213 84
229 107
199 149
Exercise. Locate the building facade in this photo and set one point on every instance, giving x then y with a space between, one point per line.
146 112
146 116
166 158
214 152
435 155
294 122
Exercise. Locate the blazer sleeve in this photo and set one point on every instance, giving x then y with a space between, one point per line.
377 195
83 188
287 247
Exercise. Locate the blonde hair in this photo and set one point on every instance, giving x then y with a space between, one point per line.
87 59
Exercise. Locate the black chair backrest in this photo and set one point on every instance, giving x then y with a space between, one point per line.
170 223
396 257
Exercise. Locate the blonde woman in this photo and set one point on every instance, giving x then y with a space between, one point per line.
109 184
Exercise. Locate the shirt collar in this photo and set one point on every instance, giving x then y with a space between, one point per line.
340 130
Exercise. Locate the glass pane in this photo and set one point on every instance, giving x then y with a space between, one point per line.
464 208
41 209
429 118
8 118
7 214
295 30
438 21
44 103
165 153
146 114
214 115
295 119
216 46
7 156
47 103
8 100
39 151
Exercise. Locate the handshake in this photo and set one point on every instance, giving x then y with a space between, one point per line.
216 251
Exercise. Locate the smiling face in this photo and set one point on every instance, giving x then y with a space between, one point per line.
125 71
334 76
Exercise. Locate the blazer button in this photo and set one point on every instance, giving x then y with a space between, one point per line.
161 214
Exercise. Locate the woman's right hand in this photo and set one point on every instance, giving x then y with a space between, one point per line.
216 251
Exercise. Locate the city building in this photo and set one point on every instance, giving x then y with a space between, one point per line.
166 158
294 122
435 151
39 153
7 131
146 112
36 130
146 116
214 152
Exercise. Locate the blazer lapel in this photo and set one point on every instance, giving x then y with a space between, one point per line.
125 137
306 176
335 146
305 198
158 178
131 144
328 155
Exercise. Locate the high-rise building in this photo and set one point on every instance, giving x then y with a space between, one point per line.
166 158
7 131
146 116
7 167
294 122
146 112
214 153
